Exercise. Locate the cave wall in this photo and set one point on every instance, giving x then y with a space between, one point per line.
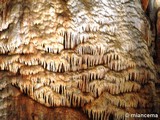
151 8
94 55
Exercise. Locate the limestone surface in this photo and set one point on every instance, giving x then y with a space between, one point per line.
92 54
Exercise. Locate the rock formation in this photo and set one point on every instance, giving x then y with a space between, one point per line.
92 54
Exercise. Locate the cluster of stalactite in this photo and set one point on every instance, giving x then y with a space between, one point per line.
78 53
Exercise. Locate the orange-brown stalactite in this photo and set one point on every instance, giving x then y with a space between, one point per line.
145 4
93 55
3 1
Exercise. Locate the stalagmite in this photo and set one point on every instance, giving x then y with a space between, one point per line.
90 54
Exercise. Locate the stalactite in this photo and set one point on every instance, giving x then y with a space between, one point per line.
27 70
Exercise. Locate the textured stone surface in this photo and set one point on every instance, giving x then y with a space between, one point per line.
31 110
79 53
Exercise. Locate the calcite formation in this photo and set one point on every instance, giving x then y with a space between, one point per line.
92 54
145 4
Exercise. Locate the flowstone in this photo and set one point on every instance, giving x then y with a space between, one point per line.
91 54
